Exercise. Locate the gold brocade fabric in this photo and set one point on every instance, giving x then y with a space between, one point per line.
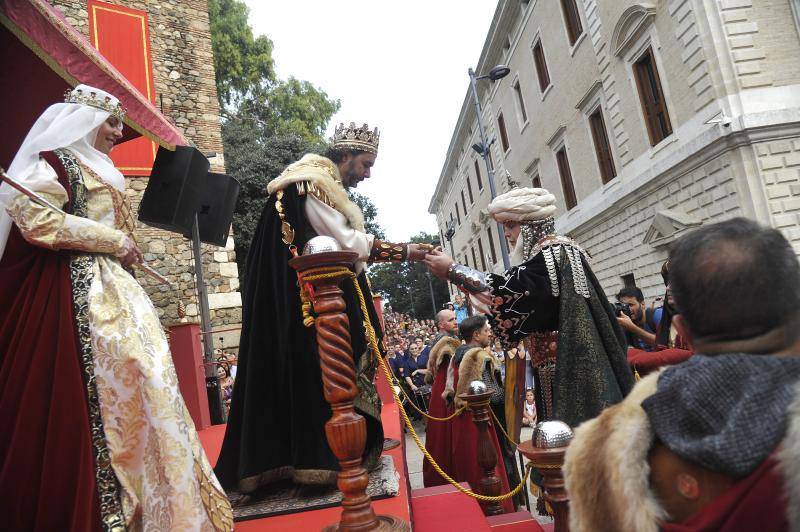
165 478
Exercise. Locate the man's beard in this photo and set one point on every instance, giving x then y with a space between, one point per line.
350 176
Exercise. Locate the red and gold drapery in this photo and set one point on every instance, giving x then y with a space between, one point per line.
43 56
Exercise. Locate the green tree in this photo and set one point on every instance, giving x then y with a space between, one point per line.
370 211
243 63
408 286
268 123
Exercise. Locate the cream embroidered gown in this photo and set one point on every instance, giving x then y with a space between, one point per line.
166 481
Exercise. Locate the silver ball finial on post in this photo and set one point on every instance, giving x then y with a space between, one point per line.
321 244
476 387
551 434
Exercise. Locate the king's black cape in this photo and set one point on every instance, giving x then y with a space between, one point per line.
278 412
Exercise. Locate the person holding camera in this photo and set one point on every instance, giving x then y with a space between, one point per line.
631 313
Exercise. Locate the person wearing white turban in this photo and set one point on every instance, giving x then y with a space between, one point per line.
95 433
550 300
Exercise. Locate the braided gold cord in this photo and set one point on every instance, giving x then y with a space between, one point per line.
330 272
509 438
427 416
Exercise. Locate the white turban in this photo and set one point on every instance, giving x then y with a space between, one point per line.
523 205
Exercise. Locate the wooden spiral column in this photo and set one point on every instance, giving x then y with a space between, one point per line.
489 484
346 430
549 463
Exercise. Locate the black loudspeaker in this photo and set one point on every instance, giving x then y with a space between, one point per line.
175 189
215 211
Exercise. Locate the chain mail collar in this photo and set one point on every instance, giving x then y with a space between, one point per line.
540 237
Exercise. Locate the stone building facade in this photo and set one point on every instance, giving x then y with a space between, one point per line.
183 71
655 117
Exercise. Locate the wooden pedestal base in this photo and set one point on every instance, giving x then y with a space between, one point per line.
346 430
548 462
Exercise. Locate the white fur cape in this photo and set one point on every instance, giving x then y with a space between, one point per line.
325 183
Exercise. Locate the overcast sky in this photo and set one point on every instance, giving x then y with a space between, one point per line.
401 66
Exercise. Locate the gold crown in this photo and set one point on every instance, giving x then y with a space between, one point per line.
356 138
95 100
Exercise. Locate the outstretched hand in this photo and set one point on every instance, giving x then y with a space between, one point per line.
417 252
438 263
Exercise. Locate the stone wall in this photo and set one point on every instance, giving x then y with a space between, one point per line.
709 193
183 71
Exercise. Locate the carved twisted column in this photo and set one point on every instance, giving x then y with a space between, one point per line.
346 430
549 463
489 484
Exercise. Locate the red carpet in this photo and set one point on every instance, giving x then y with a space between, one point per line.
211 438
444 508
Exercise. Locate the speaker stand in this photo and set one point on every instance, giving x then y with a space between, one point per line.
212 381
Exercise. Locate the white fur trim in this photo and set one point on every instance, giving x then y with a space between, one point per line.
324 174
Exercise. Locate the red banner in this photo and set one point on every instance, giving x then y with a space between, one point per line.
122 36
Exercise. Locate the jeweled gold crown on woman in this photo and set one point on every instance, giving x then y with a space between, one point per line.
356 138
101 100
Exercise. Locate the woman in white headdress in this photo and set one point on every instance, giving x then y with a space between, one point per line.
94 434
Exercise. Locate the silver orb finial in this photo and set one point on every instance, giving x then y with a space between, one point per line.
321 244
476 387
551 434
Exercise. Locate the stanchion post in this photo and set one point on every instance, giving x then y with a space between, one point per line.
346 430
490 484
546 452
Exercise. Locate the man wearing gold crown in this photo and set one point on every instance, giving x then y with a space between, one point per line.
94 434
276 426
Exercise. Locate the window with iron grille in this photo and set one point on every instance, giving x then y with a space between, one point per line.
602 147
651 96
566 178
541 66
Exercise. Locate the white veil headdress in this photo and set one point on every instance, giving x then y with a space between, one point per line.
62 125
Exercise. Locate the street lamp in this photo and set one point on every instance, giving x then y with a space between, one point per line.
496 73
451 231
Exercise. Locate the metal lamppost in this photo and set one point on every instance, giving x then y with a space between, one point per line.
498 72
451 231
433 297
